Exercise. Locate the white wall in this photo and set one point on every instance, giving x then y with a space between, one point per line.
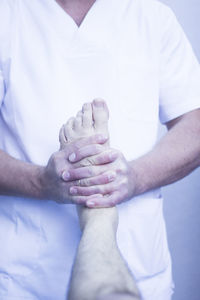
182 199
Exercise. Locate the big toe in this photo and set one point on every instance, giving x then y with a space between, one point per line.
100 115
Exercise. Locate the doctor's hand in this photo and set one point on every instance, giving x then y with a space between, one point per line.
53 177
99 182
87 181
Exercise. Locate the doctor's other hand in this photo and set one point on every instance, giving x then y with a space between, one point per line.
120 189
53 177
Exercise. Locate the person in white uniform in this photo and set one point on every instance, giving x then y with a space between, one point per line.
134 55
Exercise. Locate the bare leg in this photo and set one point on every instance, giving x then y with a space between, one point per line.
99 271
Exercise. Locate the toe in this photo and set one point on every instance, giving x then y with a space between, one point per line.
78 121
100 114
69 129
62 137
87 115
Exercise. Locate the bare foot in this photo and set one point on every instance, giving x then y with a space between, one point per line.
93 119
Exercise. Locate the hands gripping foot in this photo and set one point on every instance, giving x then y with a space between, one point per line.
102 173
93 119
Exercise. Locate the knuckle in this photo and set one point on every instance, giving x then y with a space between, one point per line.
91 160
110 177
97 148
106 178
90 172
96 190
84 182
84 162
75 183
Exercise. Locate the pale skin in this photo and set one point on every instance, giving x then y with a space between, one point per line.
175 156
77 9
99 271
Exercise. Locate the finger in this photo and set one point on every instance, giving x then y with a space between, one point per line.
84 172
85 151
81 200
92 190
85 141
100 179
103 157
105 201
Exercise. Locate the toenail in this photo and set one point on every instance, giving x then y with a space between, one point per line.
98 103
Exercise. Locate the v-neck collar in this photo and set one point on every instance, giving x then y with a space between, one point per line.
95 24
67 15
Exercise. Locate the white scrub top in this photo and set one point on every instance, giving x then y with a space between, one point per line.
132 53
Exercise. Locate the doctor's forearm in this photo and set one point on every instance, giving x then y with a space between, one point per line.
18 178
175 156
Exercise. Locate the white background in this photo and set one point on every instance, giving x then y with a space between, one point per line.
182 199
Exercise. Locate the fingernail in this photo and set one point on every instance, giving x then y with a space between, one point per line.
73 191
101 138
113 155
65 175
90 203
72 157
